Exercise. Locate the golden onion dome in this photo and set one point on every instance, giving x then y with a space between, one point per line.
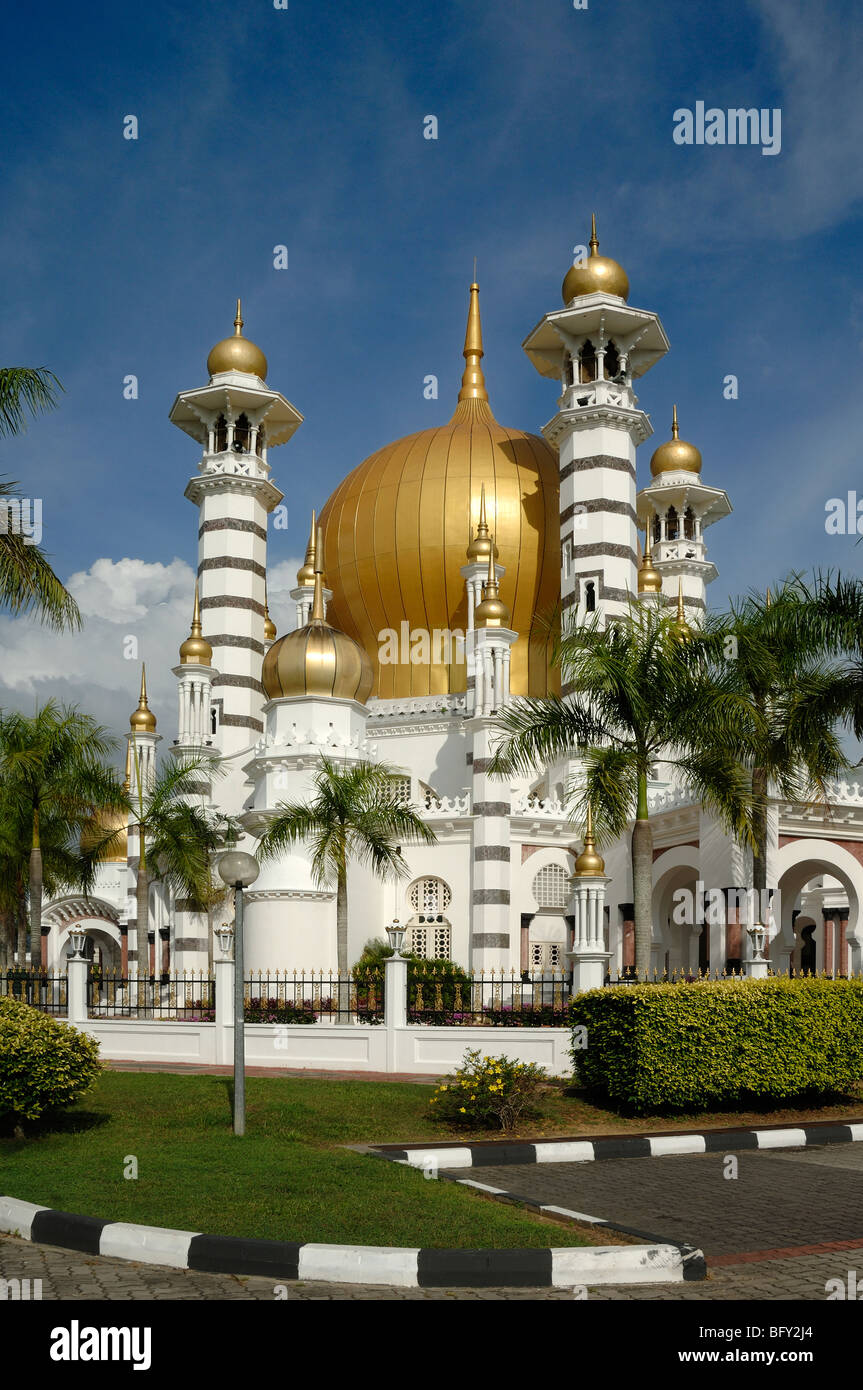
270 629
317 660
397 529
306 572
589 861
596 273
196 650
143 720
492 612
116 822
649 579
237 354
676 454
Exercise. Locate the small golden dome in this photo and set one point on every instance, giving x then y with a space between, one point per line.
589 861
237 354
116 821
482 544
676 454
270 629
143 720
196 650
492 612
318 659
649 579
306 572
596 273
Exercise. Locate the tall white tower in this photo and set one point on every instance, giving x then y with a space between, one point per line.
237 419
675 507
595 346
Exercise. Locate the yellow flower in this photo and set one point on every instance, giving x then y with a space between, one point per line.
462 1110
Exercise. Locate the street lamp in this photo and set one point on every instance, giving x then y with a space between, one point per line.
77 940
396 936
238 870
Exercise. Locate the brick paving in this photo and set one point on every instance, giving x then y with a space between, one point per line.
780 1199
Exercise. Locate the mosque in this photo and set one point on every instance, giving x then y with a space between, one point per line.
476 528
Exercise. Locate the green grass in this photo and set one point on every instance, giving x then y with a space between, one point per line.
287 1179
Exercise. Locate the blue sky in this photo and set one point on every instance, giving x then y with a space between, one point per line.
304 127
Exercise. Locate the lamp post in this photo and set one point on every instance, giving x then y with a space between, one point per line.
238 870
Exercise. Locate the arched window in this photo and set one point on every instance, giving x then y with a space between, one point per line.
429 896
689 524
551 886
672 524
612 360
430 932
657 530
242 434
221 435
590 596
587 360
568 370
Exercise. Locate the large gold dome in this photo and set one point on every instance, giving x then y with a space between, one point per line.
398 528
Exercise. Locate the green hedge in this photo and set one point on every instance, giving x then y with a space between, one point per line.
44 1065
714 1042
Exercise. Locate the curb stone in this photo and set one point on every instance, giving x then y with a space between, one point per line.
353 1264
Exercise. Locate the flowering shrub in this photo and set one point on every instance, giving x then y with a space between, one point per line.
279 1011
487 1092
44 1065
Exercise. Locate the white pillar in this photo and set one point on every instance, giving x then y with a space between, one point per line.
224 970
589 957
76 991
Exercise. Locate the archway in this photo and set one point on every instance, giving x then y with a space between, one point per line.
680 939
838 948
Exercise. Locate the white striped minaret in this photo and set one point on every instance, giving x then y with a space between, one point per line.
142 745
491 912
237 419
475 573
595 347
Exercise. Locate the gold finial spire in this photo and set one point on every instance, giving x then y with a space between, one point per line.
649 579
473 381
492 612
589 861
594 239
481 544
768 601
675 428
306 572
238 321
196 649
317 614
127 780
143 719
270 630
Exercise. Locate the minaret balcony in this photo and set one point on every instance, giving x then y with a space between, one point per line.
241 465
582 395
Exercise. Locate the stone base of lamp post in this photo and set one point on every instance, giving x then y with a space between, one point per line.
589 969
757 969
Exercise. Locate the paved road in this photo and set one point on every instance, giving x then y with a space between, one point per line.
779 1200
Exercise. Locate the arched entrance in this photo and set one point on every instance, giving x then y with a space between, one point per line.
803 938
680 938
95 917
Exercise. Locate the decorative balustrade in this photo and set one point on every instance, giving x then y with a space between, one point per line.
546 806
445 805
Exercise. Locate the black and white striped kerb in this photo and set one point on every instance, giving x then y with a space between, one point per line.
495 1154
348 1264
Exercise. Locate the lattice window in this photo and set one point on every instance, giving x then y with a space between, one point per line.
551 886
546 955
419 942
432 943
430 896
401 790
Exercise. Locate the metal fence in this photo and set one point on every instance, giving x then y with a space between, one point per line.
36 988
450 997
630 976
188 998
282 996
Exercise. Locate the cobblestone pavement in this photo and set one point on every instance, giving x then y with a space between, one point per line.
69 1276
780 1199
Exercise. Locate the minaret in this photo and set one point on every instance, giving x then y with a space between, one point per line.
195 675
676 506
595 347
475 572
143 739
237 419
491 914
589 956
303 594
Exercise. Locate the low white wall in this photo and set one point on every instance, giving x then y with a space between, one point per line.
425 1050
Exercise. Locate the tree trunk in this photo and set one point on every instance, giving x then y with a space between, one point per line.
35 892
22 934
759 852
342 944
642 880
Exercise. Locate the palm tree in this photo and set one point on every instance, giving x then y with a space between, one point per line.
353 814
27 581
176 841
51 775
635 692
777 657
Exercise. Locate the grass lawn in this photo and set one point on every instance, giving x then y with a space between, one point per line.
288 1179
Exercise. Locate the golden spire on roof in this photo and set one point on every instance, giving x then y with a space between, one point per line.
317 614
306 572
589 861
482 544
595 273
675 454
492 612
473 381
143 720
127 780
196 649
237 354
649 579
768 601
270 629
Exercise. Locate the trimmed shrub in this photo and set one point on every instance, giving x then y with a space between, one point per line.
431 983
715 1042
44 1064
487 1092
